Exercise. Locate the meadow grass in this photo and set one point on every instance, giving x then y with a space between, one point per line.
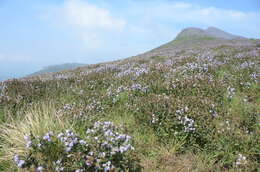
195 112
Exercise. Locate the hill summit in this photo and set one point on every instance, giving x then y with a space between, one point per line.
211 32
193 37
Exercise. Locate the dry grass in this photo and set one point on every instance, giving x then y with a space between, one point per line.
38 120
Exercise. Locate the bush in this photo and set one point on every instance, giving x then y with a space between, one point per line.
101 148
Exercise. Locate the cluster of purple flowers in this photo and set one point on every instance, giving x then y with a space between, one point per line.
95 106
195 67
230 92
106 134
138 87
19 162
188 123
70 140
103 149
135 71
246 65
114 93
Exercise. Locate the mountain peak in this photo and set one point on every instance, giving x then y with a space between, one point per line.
193 36
218 33
211 32
190 32
213 28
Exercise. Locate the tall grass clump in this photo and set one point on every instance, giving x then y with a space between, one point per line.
37 121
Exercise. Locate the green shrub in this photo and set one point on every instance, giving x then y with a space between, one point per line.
102 149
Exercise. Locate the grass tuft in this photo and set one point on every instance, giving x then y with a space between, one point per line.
39 120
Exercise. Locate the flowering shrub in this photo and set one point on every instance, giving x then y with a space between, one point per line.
231 92
103 149
124 91
136 72
195 67
201 101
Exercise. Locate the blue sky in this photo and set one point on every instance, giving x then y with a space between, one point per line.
37 33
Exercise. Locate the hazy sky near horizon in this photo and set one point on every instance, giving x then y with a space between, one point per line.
37 33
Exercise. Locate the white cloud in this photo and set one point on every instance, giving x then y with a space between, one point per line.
87 16
188 12
181 14
88 21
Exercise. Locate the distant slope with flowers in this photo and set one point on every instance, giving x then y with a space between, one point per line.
190 105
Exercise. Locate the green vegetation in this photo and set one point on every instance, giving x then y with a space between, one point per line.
195 113
190 40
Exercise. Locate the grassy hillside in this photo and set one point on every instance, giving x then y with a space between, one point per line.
195 38
196 110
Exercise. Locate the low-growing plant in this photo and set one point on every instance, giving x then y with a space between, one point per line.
102 149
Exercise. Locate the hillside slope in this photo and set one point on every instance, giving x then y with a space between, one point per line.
192 38
58 68
186 108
